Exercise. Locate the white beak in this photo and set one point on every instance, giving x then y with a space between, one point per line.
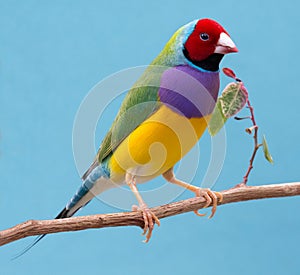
225 45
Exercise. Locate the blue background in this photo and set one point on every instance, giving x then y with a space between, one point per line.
52 53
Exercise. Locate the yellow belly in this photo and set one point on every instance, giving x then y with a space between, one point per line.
156 145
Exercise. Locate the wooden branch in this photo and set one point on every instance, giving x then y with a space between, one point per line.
38 227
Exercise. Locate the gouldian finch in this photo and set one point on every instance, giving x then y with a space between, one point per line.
158 124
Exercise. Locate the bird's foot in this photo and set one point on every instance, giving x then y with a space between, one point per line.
211 198
149 220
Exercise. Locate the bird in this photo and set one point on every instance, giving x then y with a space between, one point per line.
161 118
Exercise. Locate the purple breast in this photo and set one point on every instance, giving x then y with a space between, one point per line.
188 91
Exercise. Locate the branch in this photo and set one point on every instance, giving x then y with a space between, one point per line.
38 227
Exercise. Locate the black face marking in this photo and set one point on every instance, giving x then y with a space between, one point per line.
211 63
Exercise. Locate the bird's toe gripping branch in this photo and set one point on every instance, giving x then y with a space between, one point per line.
211 199
150 219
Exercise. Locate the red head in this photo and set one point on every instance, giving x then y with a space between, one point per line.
208 38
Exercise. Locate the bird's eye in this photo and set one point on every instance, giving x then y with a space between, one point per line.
204 36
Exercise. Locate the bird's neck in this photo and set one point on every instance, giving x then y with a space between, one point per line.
210 64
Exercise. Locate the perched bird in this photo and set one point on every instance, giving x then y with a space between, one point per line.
160 120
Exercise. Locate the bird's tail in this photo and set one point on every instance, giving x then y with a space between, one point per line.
94 184
63 214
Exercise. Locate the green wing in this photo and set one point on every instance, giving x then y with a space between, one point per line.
140 103
135 109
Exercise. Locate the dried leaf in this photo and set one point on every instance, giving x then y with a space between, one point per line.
233 99
266 150
217 119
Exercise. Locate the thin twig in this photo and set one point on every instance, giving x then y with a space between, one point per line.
256 145
230 73
38 227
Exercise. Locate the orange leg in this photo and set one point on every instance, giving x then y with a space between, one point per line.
149 217
210 196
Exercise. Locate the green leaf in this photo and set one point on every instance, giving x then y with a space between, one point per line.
233 99
217 119
266 150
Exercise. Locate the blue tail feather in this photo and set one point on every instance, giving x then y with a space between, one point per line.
87 185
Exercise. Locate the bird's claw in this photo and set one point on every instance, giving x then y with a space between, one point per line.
211 198
149 220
